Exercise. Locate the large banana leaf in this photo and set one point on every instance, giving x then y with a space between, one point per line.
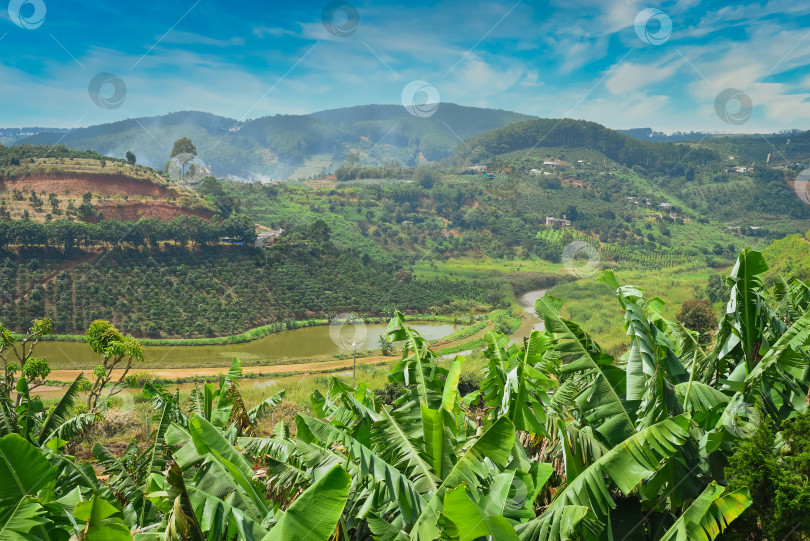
261 409
315 513
400 488
23 469
438 446
515 387
60 413
651 365
709 515
103 521
399 449
466 521
18 520
627 464
418 369
743 326
786 351
569 523
210 441
601 404
494 446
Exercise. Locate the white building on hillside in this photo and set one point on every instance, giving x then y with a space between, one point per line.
267 238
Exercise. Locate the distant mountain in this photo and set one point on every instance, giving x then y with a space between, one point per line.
283 146
10 136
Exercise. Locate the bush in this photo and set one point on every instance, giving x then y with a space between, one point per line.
698 315
778 475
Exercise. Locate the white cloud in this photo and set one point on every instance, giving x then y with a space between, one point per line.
532 79
190 38
631 77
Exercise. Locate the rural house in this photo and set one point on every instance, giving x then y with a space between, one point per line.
266 239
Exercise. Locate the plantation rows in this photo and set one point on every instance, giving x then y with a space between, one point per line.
650 259
213 292
68 235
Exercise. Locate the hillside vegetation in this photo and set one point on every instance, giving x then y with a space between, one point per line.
44 183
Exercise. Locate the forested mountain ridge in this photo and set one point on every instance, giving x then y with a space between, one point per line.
285 145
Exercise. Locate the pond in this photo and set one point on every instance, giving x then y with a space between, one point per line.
296 343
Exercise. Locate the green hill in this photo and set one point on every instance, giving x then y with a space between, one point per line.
728 179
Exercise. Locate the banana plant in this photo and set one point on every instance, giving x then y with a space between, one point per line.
45 500
212 493
40 425
225 407
574 444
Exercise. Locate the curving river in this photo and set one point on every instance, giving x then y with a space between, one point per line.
530 320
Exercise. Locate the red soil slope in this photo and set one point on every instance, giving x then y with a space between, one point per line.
79 184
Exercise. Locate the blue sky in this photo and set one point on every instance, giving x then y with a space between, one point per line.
574 58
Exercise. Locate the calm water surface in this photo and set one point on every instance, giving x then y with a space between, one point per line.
304 342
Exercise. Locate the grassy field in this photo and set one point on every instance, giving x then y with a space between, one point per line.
790 255
594 306
130 416
481 268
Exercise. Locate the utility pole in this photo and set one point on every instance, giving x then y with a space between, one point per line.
354 366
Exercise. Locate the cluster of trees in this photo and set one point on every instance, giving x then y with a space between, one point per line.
675 441
217 291
21 154
355 171
67 234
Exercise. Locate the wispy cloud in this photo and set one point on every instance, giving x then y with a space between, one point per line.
541 59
